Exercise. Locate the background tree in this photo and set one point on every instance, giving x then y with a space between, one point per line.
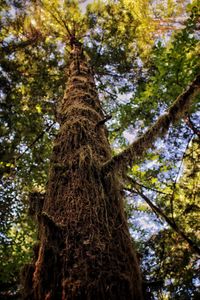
170 266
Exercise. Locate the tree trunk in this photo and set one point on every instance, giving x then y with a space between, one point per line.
85 249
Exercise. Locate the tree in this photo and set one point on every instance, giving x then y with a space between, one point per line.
76 261
83 259
82 222
169 265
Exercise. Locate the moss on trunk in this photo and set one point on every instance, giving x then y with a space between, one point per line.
85 249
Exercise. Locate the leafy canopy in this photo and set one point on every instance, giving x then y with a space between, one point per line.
143 55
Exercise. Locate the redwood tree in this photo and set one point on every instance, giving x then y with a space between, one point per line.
85 250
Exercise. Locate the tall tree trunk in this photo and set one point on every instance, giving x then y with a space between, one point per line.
85 249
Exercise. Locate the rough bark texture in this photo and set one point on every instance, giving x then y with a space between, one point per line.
85 249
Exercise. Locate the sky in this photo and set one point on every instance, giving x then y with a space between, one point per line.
84 5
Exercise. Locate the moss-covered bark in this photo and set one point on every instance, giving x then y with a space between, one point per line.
85 249
137 149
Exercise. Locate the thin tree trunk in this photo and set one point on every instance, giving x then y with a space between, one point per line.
85 249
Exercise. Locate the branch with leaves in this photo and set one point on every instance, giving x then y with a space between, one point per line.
159 212
158 129
9 48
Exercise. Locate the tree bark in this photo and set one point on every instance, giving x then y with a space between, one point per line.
85 250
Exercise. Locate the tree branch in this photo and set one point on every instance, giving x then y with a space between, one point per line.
160 213
147 187
191 125
176 179
61 21
158 129
34 141
11 47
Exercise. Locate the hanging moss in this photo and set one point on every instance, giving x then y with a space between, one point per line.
137 149
85 249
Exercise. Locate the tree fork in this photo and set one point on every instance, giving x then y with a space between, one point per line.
90 255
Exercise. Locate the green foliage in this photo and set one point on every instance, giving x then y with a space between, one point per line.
171 271
172 66
170 264
15 252
140 68
186 195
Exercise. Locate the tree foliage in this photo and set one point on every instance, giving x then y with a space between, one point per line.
143 58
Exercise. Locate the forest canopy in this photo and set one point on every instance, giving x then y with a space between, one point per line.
144 55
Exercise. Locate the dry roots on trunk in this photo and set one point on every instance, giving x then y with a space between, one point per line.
85 250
